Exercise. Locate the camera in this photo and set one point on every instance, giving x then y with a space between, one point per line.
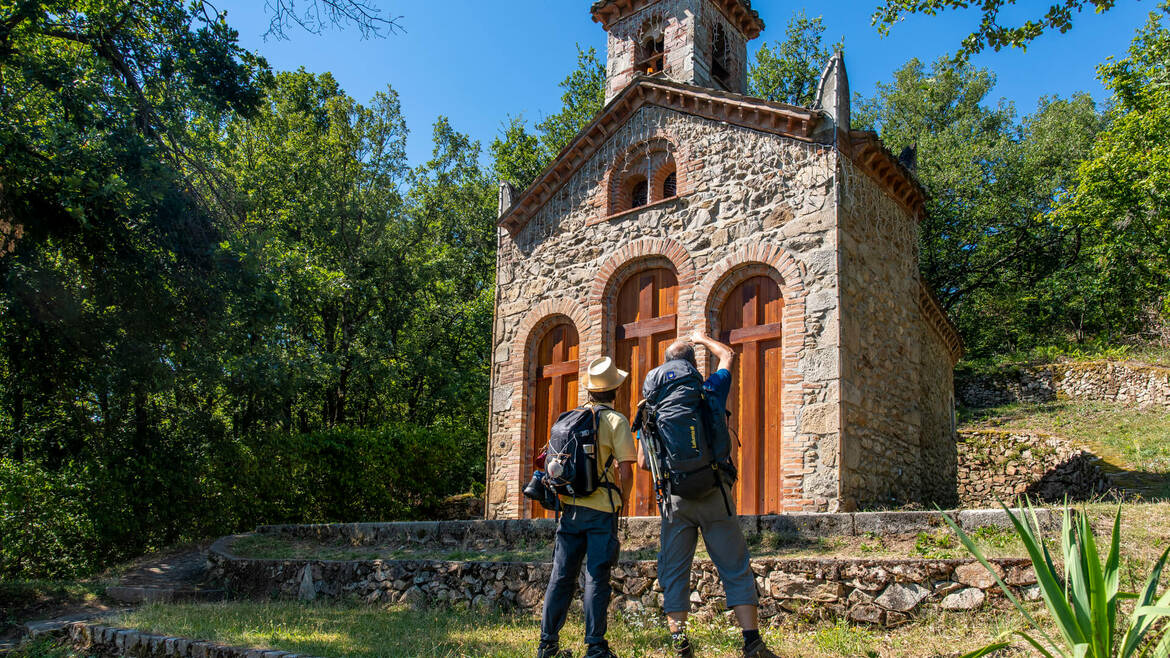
536 490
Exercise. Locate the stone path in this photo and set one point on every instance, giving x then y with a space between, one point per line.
166 578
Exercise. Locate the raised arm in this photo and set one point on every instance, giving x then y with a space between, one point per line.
723 353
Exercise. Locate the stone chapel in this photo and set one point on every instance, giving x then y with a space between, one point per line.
779 229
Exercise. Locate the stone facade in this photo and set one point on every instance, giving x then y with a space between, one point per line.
762 189
1133 384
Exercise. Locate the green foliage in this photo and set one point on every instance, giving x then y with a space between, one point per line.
202 262
990 32
520 155
1120 199
1084 602
1009 274
790 72
935 546
44 523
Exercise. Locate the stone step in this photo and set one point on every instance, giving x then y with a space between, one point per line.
148 594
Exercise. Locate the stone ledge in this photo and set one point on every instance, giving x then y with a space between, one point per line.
113 642
638 530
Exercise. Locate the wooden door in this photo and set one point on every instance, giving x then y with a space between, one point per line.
751 323
647 323
554 390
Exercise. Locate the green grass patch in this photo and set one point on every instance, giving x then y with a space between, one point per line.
360 632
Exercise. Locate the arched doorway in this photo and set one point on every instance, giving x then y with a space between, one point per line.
553 390
646 319
750 321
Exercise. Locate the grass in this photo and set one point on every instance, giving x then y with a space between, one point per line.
1135 443
360 632
1147 354
22 599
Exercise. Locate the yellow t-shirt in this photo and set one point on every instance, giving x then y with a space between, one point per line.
613 438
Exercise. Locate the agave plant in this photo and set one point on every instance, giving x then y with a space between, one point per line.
1084 603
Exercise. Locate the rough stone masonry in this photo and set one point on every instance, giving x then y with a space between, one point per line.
684 174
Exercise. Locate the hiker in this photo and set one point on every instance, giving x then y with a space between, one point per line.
694 497
587 527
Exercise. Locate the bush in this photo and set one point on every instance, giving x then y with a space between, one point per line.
45 529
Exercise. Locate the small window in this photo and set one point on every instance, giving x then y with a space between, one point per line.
670 185
719 56
639 194
652 55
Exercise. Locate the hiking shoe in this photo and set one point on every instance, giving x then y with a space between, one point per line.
758 649
552 651
600 651
682 647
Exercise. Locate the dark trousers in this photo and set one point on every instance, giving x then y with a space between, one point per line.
589 536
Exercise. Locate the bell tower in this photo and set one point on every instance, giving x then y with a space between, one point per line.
696 42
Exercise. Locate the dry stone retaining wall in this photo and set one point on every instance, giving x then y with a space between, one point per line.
883 592
1000 465
106 641
1134 384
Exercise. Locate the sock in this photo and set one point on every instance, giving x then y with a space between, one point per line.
750 637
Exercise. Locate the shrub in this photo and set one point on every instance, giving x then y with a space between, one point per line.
45 530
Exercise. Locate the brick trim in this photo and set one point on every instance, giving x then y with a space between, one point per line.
520 371
936 318
789 275
616 183
631 258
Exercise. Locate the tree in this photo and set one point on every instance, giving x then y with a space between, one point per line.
1121 196
521 155
989 247
316 16
791 71
990 32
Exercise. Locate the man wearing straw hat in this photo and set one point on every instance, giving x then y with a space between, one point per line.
587 531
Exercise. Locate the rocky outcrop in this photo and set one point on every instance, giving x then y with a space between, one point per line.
996 465
1133 384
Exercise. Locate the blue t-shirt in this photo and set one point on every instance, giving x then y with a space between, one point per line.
719 385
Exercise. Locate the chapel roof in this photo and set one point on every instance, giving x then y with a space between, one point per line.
739 12
799 123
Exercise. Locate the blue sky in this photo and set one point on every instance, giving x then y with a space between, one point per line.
479 62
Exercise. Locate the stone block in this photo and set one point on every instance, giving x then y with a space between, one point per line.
976 575
970 598
902 597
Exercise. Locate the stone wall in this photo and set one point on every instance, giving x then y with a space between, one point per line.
98 641
747 199
882 351
997 466
940 459
1132 384
887 592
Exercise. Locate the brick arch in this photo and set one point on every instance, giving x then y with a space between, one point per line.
520 370
631 258
712 292
615 195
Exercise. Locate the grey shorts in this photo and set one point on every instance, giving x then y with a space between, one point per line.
723 537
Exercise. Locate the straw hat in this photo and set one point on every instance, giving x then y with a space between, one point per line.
602 375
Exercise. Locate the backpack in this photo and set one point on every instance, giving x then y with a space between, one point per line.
571 455
688 428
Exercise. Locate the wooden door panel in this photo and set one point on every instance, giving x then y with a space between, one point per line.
647 306
553 391
751 323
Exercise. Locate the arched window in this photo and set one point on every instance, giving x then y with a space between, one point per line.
645 175
651 56
720 56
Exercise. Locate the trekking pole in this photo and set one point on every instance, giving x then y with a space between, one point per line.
651 450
